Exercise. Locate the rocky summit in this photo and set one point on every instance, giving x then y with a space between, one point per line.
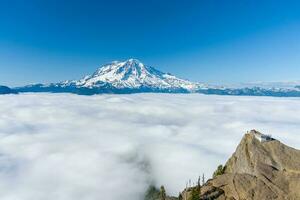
261 168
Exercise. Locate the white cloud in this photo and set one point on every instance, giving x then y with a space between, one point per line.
69 147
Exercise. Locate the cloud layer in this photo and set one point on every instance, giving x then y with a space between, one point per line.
69 147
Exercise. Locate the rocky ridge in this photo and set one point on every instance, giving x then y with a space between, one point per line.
261 168
6 90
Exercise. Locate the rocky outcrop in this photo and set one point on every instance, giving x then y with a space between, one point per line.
258 170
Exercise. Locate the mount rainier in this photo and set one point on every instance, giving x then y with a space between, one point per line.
132 76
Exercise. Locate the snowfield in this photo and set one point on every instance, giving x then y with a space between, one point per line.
70 147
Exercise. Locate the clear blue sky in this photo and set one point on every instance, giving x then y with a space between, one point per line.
203 40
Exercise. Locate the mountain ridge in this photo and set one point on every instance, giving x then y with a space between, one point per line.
7 90
261 168
132 76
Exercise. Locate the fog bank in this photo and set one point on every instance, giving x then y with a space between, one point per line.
70 147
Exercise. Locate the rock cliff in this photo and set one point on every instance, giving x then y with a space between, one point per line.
261 168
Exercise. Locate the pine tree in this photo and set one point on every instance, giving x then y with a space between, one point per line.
199 185
180 196
219 171
203 179
162 193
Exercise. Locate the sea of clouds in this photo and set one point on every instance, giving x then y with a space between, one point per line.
70 147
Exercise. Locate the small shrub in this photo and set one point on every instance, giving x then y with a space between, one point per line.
195 194
219 171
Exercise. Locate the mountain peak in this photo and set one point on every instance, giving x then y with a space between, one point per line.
129 76
257 170
133 61
133 74
130 61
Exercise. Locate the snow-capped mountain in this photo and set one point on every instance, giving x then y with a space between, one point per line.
132 76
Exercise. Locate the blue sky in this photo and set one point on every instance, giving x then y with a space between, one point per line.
210 41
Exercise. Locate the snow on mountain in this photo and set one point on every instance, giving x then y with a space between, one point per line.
132 74
270 85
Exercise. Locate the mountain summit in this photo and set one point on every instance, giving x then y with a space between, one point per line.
130 76
133 74
261 168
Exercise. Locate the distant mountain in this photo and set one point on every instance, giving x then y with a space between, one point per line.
6 90
132 76
253 91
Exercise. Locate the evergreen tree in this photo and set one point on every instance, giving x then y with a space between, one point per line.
180 196
162 193
219 171
203 179
199 185
152 193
